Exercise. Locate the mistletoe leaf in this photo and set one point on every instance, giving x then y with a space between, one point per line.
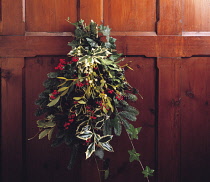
148 172
91 148
53 102
62 89
45 133
50 133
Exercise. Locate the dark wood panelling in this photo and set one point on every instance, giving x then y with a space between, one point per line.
11 119
195 120
169 126
132 15
49 16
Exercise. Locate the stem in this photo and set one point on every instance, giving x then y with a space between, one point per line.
135 150
98 169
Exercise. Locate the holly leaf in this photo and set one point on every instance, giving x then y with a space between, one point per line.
106 146
133 155
148 172
106 138
133 132
91 148
84 135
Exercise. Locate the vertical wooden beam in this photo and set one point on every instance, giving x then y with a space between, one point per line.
12 17
169 102
170 17
91 10
11 119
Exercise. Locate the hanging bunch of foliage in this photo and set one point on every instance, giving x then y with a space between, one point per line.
85 99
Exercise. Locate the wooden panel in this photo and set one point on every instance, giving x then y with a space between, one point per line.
196 15
195 119
169 120
91 10
170 17
150 46
50 15
11 119
11 21
132 15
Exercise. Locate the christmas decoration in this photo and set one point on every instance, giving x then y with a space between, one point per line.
85 99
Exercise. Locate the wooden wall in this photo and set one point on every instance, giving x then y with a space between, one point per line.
168 43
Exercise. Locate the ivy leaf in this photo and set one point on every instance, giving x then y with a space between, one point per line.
106 174
92 42
148 172
53 102
91 148
133 155
133 132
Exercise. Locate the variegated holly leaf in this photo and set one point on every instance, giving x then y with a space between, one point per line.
105 138
91 148
106 146
84 135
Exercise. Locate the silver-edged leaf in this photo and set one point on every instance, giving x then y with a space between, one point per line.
91 148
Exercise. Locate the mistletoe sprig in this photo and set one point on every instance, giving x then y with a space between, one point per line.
86 98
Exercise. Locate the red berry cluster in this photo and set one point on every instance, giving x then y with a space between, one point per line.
71 119
119 97
54 94
61 64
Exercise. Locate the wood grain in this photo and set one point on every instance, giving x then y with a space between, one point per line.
150 46
11 119
169 125
196 15
12 18
50 15
132 15
170 17
195 125
91 10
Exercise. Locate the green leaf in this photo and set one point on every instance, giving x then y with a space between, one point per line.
105 138
91 148
117 126
45 124
148 172
65 92
77 98
131 109
84 135
50 133
107 128
128 115
133 155
133 132
62 89
53 102
106 174
44 133
81 102
124 121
